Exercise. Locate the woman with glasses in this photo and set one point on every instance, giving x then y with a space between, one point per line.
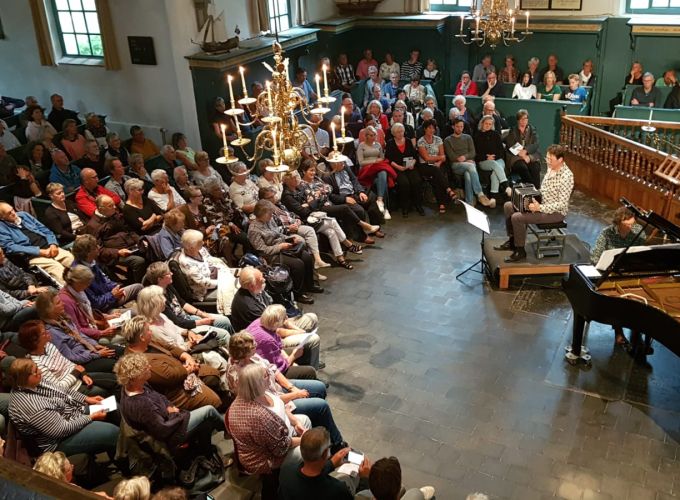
141 213
205 171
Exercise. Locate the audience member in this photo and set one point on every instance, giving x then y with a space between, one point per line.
185 154
552 66
204 171
90 190
524 88
141 145
549 91
372 81
390 88
575 93
586 76
243 191
402 154
72 141
116 183
509 72
373 169
135 488
648 95
466 86
532 69
668 79
412 68
14 312
527 162
182 182
95 130
168 239
365 64
115 149
415 93
59 114
8 167
7 138
17 282
269 179
463 112
63 172
138 170
431 72
389 67
492 87
62 216
199 267
481 71
490 153
93 158
635 75
306 88
384 481
162 193
673 99
432 164
499 122
38 125
344 73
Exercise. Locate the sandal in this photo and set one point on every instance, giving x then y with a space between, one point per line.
452 194
442 209
354 248
345 264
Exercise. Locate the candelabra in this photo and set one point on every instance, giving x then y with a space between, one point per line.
286 115
494 22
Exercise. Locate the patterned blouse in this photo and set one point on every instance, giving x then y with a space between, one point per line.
556 189
610 238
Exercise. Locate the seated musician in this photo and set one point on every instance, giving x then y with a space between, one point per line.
555 192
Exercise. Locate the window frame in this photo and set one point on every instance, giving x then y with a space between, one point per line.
274 18
60 34
652 10
449 8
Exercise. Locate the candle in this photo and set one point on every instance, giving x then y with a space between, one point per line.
269 97
462 17
224 137
527 28
651 113
238 128
512 27
335 140
231 90
477 27
342 120
318 91
292 119
325 81
243 81
276 151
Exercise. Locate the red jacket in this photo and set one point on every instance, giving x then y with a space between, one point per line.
471 90
85 200
367 173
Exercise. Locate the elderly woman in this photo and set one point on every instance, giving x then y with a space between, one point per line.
62 217
103 293
72 141
374 110
264 430
53 419
269 179
95 130
402 155
37 126
58 370
204 171
116 183
176 309
309 395
409 119
71 343
527 162
141 213
137 168
549 91
373 169
221 210
489 153
431 104
524 88
243 191
149 411
162 193
415 93
466 85
432 163
268 239
169 238
460 103
114 149
198 266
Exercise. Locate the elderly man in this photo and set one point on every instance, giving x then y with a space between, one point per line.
181 178
648 95
243 191
492 86
93 158
89 190
162 193
374 80
499 122
319 143
63 172
169 156
555 192
552 66
141 145
22 234
118 243
59 114
481 71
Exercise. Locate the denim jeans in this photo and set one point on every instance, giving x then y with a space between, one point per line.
469 172
204 414
381 184
95 437
497 168
316 408
316 388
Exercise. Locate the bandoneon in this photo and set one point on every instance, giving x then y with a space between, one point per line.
523 195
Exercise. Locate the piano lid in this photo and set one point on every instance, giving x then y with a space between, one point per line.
643 259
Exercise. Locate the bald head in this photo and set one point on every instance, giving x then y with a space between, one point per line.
7 212
251 279
105 205
89 179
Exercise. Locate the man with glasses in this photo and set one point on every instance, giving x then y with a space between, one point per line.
89 190
648 95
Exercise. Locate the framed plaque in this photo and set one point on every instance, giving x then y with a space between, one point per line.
566 4
534 5
142 50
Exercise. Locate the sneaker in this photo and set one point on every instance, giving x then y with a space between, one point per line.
373 229
508 192
486 201
381 206
387 215
428 492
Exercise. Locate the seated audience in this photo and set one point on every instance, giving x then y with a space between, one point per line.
117 179
586 76
365 64
62 216
374 170
104 294
524 88
63 171
182 182
95 130
72 141
432 164
141 145
14 312
221 209
169 238
431 72
575 93
399 116
38 125
39 159
93 158
204 171
370 121
415 93
184 153
25 188
481 70
552 66
53 419
199 267
140 212
149 411
402 154
344 73
391 87
135 488
17 282
58 115
490 154
549 91
460 152
492 87
411 68
384 481
23 235
57 466
648 95
463 112
431 104
389 67
635 75
9 104
115 149
489 109
137 168
169 158
318 142
304 86
373 81
243 191
509 72
668 79
162 193
532 69
90 190
673 99
352 112
427 115
466 85
269 179
527 162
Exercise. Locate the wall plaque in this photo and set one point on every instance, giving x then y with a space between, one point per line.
142 50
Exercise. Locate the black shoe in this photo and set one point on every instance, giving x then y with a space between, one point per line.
322 365
508 245
304 298
338 446
420 210
404 214
518 255
316 289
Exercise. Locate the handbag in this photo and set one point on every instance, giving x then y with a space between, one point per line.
296 250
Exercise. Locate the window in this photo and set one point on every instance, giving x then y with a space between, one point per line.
653 6
279 15
450 5
78 28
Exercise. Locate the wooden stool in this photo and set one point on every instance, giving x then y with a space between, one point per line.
549 239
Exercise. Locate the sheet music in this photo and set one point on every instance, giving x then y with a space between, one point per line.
477 218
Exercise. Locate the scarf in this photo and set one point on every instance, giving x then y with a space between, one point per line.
83 301
67 327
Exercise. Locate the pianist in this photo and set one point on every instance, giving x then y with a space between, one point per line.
555 192
620 234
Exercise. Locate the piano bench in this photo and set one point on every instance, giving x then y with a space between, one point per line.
549 239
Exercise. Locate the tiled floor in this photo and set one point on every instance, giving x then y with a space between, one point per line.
451 377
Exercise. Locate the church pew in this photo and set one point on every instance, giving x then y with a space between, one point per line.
642 113
628 93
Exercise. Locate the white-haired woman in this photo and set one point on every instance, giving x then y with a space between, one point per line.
243 191
162 193
135 488
459 103
409 119
57 466
490 153
142 214
374 109
204 171
269 179
149 411
199 267
402 155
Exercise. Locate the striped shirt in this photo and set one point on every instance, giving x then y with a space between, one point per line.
47 414
56 369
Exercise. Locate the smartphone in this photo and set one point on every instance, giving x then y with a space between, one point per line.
355 457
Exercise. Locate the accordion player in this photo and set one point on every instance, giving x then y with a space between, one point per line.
523 195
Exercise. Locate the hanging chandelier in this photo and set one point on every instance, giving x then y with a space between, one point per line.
493 22
286 115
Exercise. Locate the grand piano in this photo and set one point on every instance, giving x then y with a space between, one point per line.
640 290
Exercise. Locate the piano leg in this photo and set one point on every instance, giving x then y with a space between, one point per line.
578 352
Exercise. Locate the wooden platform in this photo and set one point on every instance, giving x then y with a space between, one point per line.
575 252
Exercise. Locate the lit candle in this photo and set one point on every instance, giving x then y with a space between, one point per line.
231 90
512 27
224 137
318 91
325 81
276 150
243 81
527 28
269 97
477 27
335 141
292 119
462 17
342 120
238 128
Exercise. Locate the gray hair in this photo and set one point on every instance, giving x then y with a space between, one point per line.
647 74
314 444
111 136
133 184
167 148
454 112
371 129
151 302
159 174
459 98
180 168
397 126
210 184
246 277
534 60
155 272
273 317
238 168
133 488
486 118
133 328
191 238
130 367
426 111
78 274
251 382
374 102
136 158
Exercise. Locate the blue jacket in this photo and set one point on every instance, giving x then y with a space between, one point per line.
168 242
99 291
12 240
70 180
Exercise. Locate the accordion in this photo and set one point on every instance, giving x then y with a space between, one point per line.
523 195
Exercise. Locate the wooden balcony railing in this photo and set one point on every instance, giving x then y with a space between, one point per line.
609 163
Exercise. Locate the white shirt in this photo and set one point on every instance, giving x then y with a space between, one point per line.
162 199
322 139
7 138
520 92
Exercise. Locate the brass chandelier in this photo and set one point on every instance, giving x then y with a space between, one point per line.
493 22
286 115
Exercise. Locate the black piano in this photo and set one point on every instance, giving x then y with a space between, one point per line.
639 290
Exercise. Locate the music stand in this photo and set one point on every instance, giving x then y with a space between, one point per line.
480 220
